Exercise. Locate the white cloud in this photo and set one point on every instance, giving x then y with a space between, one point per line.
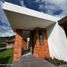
4 24
52 5
62 4
22 3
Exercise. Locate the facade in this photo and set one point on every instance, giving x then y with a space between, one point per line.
41 34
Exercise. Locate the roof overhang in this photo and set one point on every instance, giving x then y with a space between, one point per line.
63 21
24 18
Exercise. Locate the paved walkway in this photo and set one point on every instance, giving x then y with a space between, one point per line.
63 65
31 61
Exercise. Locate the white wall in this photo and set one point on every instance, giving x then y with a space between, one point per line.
57 42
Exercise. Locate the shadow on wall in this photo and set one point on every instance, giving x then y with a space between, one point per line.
65 29
50 28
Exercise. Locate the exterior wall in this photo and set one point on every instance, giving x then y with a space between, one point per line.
57 42
17 47
41 51
54 44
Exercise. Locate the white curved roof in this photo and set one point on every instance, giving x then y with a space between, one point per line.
24 18
23 10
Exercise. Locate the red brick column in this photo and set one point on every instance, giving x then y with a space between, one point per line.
41 51
45 48
37 48
17 47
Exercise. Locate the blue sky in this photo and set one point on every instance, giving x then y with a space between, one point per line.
56 8
5 28
53 7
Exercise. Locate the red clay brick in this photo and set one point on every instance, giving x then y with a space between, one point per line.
17 47
41 51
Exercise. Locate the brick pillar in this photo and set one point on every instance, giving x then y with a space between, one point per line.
45 48
41 51
17 46
37 48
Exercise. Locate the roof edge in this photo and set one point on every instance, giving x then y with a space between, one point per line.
27 11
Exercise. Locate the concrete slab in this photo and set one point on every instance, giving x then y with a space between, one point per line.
31 61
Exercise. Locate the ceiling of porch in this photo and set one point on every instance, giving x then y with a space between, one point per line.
22 21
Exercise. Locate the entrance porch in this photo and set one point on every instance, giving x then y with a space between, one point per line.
31 33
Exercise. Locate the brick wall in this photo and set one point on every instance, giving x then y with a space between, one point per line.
17 47
41 51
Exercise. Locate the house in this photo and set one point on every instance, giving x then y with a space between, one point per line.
36 32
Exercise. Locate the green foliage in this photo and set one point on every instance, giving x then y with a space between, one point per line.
6 56
55 61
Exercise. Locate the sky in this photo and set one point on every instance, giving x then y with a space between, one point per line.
53 7
56 8
5 28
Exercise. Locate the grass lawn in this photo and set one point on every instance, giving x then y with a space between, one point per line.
6 56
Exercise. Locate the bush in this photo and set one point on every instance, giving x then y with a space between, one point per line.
6 56
55 61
